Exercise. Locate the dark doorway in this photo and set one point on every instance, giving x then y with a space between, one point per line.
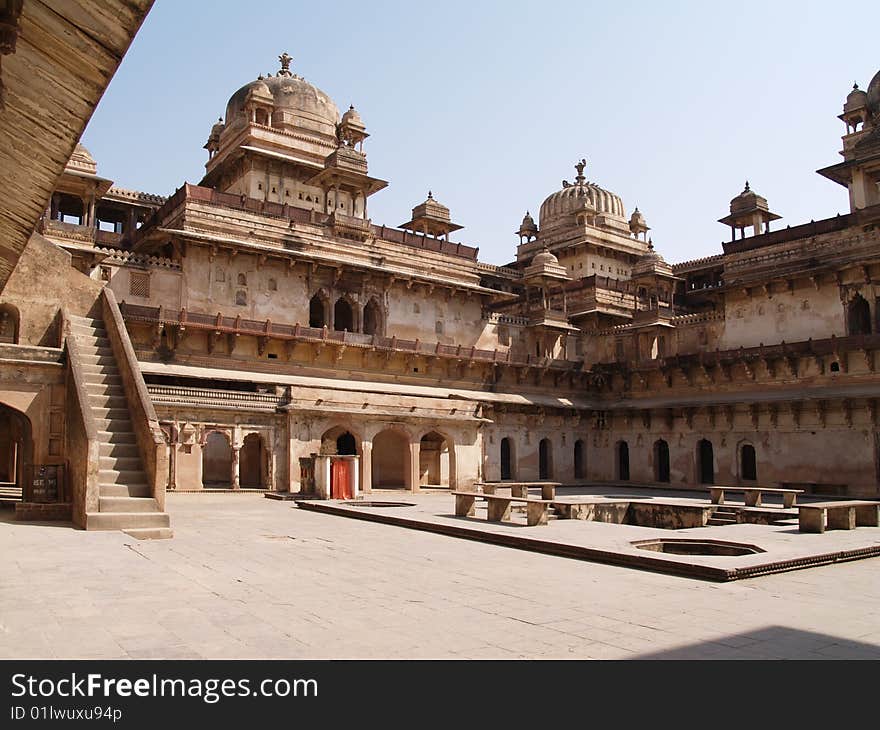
506 460
858 316
623 461
217 461
748 462
16 450
343 316
661 461
706 457
317 314
545 459
372 318
346 445
251 465
580 461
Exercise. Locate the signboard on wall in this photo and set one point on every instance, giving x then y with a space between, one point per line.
47 482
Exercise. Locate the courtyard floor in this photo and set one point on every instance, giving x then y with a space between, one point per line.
248 577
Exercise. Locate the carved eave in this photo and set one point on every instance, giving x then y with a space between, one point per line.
347 180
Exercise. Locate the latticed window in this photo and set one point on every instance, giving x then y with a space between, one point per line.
139 285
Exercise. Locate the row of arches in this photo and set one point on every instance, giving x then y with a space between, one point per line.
344 316
219 468
705 461
546 467
391 455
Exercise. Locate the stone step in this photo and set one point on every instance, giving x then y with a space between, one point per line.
121 476
127 504
124 490
121 463
716 522
101 390
150 533
126 520
103 413
92 377
106 401
93 370
119 436
113 424
89 349
119 450
97 359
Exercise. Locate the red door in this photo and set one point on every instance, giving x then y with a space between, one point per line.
340 479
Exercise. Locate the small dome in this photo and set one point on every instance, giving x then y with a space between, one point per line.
637 222
528 223
873 97
218 127
82 160
543 258
352 117
856 99
651 262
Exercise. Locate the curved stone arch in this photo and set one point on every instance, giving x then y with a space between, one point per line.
217 467
320 298
10 323
452 466
369 325
384 472
333 433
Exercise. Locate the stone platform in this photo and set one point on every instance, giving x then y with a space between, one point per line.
780 547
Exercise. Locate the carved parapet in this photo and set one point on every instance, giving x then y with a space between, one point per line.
346 226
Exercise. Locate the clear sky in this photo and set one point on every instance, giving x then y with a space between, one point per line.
490 104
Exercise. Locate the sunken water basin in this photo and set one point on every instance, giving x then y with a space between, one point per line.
697 547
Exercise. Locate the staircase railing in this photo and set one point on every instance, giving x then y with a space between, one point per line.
83 444
150 440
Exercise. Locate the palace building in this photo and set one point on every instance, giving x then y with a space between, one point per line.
260 331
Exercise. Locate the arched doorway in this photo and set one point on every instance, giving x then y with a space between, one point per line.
858 316
508 459
317 311
706 462
251 462
623 461
580 460
661 461
346 445
372 318
545 459
16 450
748 463
217 461
8 324
436 461
390 460
343 316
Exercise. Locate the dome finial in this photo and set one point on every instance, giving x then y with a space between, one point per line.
285 59
580 171
855 86
430 195
747 187
650 244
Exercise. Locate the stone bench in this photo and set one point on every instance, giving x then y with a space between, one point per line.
498 507
521 489
753 495
842 515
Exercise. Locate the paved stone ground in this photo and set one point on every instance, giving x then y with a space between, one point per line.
249 577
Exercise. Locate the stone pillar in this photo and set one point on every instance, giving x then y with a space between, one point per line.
414 450
90 220
172 465
367 467
236 465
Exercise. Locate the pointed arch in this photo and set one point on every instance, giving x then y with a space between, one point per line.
373 318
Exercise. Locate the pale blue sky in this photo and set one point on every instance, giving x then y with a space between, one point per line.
490 104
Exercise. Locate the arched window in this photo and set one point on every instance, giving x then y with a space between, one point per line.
252 456
706 462
317 312
343 316
217 461
262 117
272 285
858 316
748 464
242 280
580 460
241 298
507 458
545 459
623 461
372 318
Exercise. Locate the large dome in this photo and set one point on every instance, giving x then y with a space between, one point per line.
561 205
299 103
874 96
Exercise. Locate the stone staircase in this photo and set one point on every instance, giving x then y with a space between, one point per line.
723 516
125 502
